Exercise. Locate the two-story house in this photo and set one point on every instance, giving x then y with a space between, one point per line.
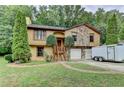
85 37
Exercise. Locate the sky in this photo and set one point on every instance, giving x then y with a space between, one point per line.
93 8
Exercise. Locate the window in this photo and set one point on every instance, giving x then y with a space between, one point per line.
40 35
39 51
91 37
74 35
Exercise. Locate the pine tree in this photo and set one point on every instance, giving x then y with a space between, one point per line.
20 46
112 31
121 34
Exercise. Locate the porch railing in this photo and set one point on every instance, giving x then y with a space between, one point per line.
60 53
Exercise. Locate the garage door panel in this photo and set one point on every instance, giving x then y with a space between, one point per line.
75 53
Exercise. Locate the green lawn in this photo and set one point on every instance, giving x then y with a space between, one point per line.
34 63
54 75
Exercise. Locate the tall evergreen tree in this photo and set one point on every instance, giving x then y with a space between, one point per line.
20 46
100 15
112 31
121 34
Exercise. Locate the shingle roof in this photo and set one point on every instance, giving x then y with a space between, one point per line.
35 26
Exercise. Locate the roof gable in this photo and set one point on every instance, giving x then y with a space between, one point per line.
87 25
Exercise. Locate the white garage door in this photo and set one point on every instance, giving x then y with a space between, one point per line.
75 53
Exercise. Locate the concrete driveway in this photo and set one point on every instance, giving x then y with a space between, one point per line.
106 65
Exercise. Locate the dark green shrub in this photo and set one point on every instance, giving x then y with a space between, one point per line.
8 57
51 40
4 51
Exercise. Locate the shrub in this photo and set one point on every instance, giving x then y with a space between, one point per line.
51 40
8 57
5 50
48 58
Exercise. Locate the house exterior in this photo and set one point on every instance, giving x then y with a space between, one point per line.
85 37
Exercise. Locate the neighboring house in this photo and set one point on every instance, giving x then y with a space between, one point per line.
85 37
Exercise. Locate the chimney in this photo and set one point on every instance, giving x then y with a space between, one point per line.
28 21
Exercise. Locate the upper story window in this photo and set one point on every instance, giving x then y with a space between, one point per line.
91 37
74 35
39 35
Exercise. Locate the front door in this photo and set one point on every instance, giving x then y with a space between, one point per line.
59 42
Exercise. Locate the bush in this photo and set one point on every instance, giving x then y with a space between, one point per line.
8 57
4 51
51 40
49 58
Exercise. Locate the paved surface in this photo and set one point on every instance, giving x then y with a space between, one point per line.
107 65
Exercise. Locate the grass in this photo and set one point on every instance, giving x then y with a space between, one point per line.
85 67
35 63
54 75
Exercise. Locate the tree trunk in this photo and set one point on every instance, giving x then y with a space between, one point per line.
69 54
53 53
